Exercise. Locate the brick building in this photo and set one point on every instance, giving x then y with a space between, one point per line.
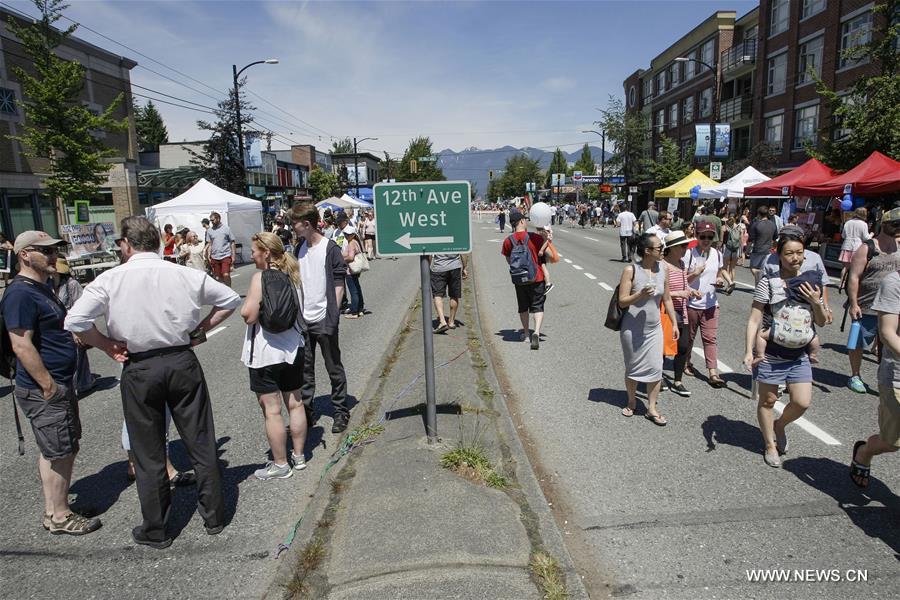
23 203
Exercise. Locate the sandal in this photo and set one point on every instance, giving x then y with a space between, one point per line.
657 419
772 459
729 288
858 470
716 381
688 370
183 478
627 412
441 328
781 441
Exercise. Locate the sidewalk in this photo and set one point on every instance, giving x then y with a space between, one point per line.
388 521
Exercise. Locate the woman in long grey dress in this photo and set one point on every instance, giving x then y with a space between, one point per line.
643 286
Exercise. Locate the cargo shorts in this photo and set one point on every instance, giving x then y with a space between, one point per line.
55 422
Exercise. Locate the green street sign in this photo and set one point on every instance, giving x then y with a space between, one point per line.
422 217
428 159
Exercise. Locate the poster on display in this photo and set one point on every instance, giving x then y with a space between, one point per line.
701 147
357 175
722 141
252 151
5 261
89 238
673 205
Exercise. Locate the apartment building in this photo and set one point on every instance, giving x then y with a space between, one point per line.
760 82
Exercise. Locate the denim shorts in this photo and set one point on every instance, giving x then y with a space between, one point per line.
55 422
781 371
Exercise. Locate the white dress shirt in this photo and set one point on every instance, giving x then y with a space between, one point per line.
149 303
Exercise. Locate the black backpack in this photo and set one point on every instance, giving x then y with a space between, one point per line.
522 268
279 307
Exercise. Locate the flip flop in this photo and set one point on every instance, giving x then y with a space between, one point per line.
441 328
858 470
627 412
656 419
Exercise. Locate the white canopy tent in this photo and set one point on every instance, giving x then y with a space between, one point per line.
335 201
734 187
354 203
242 215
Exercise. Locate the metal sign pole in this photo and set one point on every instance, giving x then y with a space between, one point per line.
428 337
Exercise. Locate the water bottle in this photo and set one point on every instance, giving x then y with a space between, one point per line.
853 338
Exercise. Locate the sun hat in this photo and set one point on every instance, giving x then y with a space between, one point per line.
349 230
676 238
34 238
891 215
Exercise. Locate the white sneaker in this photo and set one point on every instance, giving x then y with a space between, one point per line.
299 462
273 471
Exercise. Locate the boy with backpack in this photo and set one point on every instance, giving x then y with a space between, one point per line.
521 252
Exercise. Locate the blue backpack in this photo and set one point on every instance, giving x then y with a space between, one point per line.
522 268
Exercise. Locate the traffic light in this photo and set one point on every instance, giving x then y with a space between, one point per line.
413 166
491 174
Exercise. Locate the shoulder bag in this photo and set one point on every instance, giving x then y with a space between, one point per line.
615 312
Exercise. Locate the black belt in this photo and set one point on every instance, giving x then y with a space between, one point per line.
139 356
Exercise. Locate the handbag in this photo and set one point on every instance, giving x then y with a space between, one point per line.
614 311
359 263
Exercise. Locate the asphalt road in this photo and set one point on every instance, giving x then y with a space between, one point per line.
685 510
234 564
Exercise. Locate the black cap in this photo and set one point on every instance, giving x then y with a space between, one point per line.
515 215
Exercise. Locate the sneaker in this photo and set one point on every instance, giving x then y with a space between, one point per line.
339 425
74 524
523 336
535 341
273 471
856 384
679 389
139 537
548 288
299 462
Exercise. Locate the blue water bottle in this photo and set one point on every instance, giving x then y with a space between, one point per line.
853 338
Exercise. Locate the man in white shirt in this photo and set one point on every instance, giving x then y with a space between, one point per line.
152 313
662 227
553 211
625 222
322 273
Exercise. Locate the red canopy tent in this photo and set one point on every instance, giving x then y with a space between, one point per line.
878 174
812 172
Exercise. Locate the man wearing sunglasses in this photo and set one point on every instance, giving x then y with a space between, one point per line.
45 367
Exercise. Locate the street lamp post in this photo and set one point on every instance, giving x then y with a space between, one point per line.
715 97
356 162
237 101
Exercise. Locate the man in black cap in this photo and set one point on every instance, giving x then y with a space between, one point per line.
530 286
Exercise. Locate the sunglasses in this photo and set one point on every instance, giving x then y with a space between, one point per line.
706 237
119 240
45 250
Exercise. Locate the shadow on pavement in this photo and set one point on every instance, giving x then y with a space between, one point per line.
510 335
103 384
617 398
98 492
833 479
722 430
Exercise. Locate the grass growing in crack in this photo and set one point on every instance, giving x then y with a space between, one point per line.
470 460
550 577
309 560
364 433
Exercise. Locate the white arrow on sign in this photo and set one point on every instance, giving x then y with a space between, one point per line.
406 240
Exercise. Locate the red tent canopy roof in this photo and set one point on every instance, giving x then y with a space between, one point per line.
878 174
812 172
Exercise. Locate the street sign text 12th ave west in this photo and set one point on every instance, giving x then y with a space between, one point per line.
422 217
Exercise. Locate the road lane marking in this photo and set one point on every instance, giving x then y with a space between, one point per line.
723 368
216 330
567 260
495 240
589 276
559 254
605 286
592 239
744 285
808 427
577 268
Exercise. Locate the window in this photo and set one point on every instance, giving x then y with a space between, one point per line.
806 121
660 119
632 96
779 16
840 131
690 67
812 7
855 33
648 90
687 111
660 83
752 33
8 102
687 146
774 125
810 58
706 53
706 102
777 74
673 115
659 151
674 73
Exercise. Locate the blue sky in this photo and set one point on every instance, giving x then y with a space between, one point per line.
482 74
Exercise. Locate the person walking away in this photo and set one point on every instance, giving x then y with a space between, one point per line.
322 277
705 272
853 234
369 234
782 364
193 252
871 263
68 290
275 358
45 364
220 249
501 219
648 218
676 245
153 335
745 235
625 222
731 249
447 273
353 249
887 305
762 235
642 287
528 278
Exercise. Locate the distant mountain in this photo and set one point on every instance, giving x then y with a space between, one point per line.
473 164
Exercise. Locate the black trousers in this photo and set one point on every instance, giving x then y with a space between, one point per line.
684 350
331 352
149 385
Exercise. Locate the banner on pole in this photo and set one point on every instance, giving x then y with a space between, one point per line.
722 140
701 146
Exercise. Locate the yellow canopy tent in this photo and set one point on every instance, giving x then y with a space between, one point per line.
682 189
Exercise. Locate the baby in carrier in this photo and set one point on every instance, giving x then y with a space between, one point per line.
792 331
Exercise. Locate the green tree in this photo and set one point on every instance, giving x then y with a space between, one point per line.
322 185
669 167
388 168
558 164
871 109
425 171
220 161
519 170
59 128
342 146
151 130
629 136
586 162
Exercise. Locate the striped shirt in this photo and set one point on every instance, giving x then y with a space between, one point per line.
678 283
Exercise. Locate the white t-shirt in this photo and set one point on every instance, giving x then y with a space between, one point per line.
271 348
659 232
312 275
706 283
553 210
626 223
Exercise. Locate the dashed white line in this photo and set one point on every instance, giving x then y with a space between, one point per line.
577 268
559 254
809 428
567 260
605 286
216 330
589 276
235 274
592 239
744 285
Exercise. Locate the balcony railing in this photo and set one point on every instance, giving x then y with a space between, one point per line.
736 109
738 56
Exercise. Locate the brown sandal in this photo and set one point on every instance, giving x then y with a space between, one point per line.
716 381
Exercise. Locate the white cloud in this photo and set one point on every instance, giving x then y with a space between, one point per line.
558 84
